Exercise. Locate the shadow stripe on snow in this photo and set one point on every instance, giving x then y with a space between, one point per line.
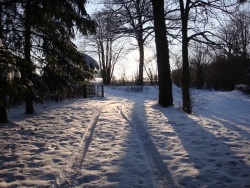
162 176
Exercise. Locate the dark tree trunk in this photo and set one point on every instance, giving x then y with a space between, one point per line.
108 76
3 114
103 72
185 77
185 62
3 110
103 64
29 96
164 76
141 61
27 49
140 40
84 91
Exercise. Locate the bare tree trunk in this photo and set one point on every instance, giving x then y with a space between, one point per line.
141 61
108 76
164 76
102 63
185 62
3 113
185 76
3 110
27 49
109 63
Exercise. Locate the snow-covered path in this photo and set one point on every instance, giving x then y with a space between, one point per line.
127 140
115 157
114 152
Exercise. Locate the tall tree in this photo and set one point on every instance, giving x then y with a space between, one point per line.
4 81
29 96
41 31
235 37
195 15
164 75
3 110
7 61
136 18
185 64
48 30
107 44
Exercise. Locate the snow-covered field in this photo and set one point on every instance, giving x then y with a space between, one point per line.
127 140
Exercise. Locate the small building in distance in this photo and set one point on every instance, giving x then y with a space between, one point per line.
95 87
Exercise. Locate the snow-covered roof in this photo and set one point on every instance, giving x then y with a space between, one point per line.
92 63
96 81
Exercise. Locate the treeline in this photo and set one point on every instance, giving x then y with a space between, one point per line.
221 74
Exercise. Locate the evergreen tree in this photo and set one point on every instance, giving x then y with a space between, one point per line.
53 27
8 82
40 32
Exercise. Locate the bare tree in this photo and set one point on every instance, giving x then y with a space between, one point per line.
176 69
151 70
235 37
108 45
196 13
199 60
136 16
231 62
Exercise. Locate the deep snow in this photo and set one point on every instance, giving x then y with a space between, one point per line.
127 140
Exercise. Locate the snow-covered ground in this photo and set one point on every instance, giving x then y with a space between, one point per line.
127 140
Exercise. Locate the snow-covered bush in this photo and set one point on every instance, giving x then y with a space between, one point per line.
243 88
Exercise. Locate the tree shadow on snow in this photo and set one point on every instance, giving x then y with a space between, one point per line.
212 158
122 154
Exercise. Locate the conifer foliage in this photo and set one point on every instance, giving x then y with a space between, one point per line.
40 33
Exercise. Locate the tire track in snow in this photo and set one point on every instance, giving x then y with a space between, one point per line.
162 176
115 157
67 175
